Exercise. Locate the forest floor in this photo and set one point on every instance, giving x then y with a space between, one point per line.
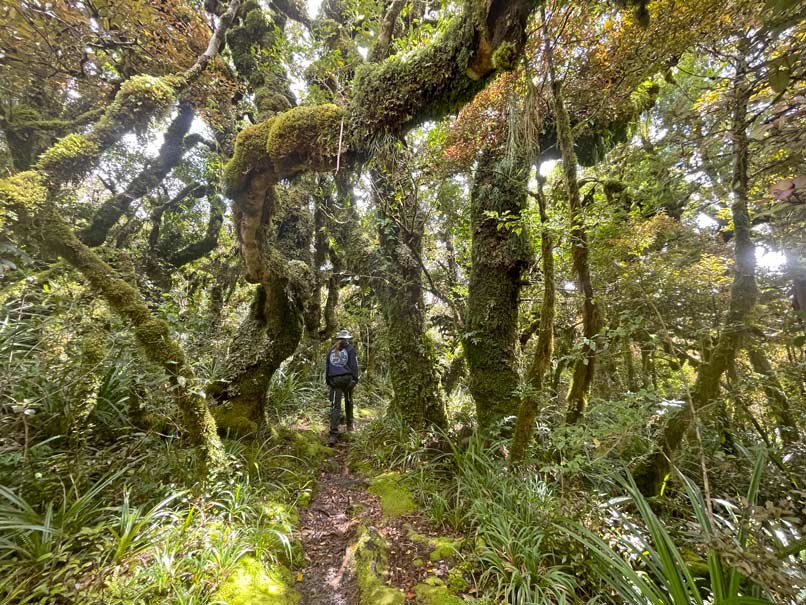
365 543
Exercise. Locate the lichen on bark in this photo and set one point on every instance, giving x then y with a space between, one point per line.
500 254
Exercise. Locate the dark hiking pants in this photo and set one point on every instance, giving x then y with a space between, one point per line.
340 385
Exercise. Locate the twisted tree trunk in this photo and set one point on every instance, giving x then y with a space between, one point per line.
582 377
29 206
400 236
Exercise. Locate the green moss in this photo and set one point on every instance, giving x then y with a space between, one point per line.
23 192
308 448
69 157
232 421
435 594
414 87
369 556
252 584
142 98
249 155
457 577
305 138
154 336
443 547
505 57
269 101
396 499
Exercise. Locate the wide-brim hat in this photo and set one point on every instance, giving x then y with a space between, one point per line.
344 334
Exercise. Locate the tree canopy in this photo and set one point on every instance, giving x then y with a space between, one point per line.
567 239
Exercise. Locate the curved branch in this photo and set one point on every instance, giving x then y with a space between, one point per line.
389 97
153 173
205 245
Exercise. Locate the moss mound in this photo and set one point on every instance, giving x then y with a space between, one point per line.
433 592
23 192
252 584
69 157
249 155
369 554
444 547
396 499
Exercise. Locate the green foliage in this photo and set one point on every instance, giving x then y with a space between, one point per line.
668 578
69 156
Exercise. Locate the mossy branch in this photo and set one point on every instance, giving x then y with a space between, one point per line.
29 206
153 173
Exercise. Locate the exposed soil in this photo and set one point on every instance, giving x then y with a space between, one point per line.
328 528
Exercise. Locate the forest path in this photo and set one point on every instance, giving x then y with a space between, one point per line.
341 515
327 529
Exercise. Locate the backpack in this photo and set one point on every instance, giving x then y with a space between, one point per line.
339 359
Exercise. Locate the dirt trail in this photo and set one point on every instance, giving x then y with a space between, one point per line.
329 527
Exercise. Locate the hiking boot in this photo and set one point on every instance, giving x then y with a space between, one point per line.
332 440
350 427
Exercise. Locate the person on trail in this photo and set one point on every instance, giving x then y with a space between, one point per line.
341 375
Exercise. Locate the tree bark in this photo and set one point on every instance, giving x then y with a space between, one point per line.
582 377
500 254
273 328
400 234
776 396
541 359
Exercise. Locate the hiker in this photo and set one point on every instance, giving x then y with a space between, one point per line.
341 376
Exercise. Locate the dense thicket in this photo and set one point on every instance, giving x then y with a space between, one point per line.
567 237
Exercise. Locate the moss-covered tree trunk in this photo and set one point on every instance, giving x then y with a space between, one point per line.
541 358
412 360
652 473
584 366
273 328
29 206
152 334
314 313
500 253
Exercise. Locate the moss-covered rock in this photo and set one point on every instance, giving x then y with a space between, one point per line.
443 547
250 583
369 556
396 499
457 577
308 448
